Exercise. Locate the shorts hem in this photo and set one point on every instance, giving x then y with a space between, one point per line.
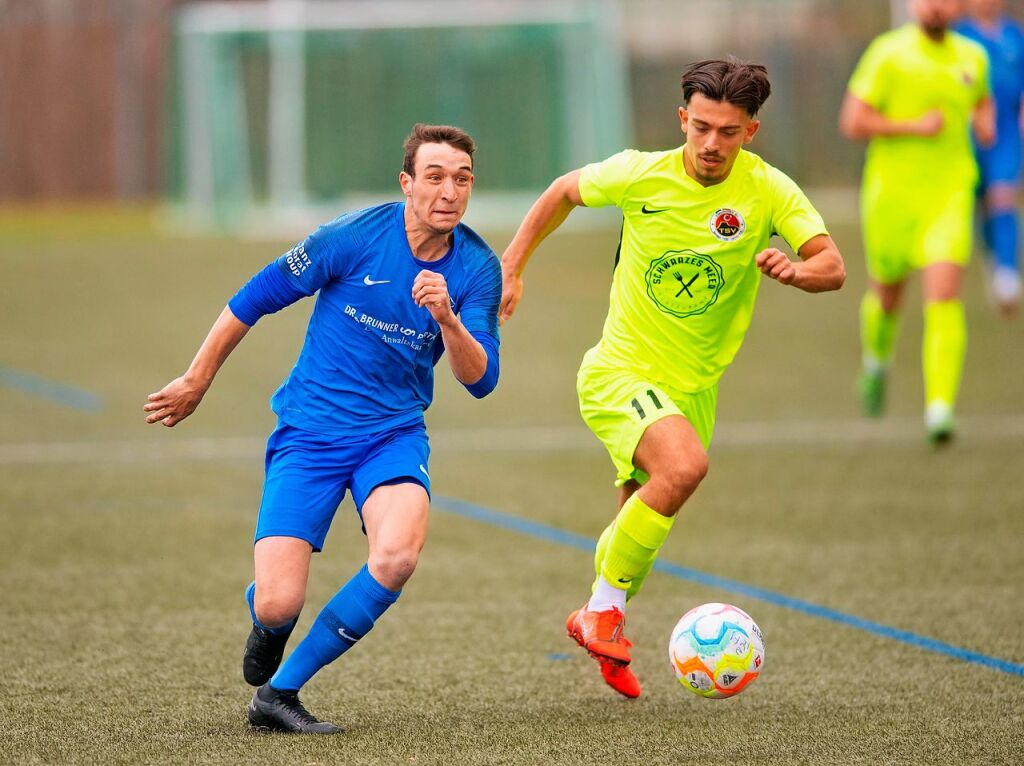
296 533
390 480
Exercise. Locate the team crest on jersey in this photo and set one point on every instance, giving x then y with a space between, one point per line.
684 282
727 224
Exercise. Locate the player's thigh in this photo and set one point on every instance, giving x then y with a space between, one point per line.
672 447
306 479
619 406
395 517
399 458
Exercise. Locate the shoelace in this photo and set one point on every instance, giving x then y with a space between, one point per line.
296 710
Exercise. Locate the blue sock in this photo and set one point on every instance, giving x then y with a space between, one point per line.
347 617
250 596
1002 238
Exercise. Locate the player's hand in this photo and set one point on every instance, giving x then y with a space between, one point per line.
777 265
511 294
430 291
929 125
174 402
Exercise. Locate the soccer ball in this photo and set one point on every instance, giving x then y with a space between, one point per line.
716 650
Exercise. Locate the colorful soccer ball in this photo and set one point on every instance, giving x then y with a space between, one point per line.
716 650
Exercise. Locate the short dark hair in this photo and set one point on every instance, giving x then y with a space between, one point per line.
736 82
435 134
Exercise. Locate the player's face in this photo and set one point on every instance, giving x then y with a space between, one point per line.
439 191
715 133
935 16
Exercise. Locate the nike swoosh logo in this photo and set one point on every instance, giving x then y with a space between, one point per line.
625 580
371 282
346 636
648 210
424 471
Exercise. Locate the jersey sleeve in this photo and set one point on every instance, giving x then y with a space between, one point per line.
325 255
479 315
605 183
479 309
869 81
793 216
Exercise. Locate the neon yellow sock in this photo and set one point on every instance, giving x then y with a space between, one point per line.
633 544
942 353
602 549
878 332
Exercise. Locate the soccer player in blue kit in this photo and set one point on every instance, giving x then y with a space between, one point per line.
1000 165
399 284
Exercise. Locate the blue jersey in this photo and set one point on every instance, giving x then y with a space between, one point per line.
367 364
1004 44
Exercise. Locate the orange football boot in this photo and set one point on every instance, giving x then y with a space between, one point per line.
600 633
621 679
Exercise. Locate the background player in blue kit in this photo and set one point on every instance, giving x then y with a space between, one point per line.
399 284
1000 165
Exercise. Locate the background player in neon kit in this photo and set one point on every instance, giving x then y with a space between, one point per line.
914 95
999 187
648 389
399 284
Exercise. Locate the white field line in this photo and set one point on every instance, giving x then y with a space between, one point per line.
839 434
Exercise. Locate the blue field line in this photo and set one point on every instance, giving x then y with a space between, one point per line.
572 540
68 396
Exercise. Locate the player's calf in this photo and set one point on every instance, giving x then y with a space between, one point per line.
263 652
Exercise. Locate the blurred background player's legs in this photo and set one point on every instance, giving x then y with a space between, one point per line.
879 327
943 348
1001 231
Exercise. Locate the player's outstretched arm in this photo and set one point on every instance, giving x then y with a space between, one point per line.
546 215
820 269
179 398
858 120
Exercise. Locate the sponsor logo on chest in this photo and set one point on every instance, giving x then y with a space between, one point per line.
684 282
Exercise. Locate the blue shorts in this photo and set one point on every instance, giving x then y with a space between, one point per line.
308 474
1000 163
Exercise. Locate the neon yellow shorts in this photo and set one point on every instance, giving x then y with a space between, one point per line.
618 405
906 230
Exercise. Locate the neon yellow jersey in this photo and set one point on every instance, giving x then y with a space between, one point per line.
904 75
685 283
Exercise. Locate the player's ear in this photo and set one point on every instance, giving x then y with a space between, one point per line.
751 131
405 181
684 118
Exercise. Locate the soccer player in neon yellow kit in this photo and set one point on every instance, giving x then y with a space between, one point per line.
697 221
914 95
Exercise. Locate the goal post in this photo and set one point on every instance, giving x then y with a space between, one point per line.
288 110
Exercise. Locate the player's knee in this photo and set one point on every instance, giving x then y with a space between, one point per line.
686 475
277 607
1001 198
393 566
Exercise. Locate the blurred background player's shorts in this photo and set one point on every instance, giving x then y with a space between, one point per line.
907 229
